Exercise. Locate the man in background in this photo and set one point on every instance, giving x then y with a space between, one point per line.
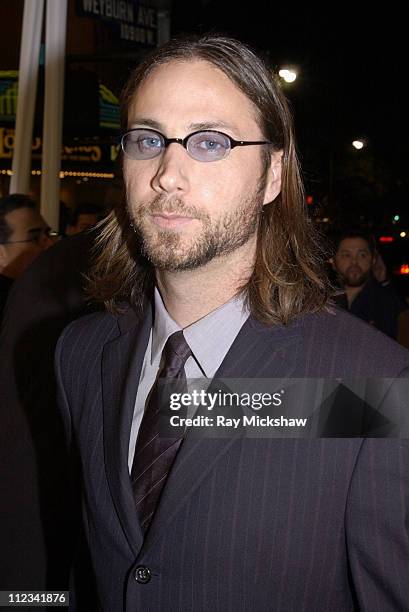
24 234
365 297
37 509
84 216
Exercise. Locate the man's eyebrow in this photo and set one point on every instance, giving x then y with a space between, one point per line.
192 127
145 121
212 125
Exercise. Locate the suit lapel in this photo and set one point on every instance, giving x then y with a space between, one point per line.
121 368
257 352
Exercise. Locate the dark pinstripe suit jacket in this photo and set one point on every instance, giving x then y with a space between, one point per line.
261 524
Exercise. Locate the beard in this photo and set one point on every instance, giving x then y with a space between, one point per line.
168 249
355 277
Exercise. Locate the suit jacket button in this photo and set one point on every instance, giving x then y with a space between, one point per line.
142 574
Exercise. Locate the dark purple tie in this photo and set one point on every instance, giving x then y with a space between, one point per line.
154 454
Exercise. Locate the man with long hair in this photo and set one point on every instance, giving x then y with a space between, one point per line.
211 269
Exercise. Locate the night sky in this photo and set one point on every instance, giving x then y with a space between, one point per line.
352 71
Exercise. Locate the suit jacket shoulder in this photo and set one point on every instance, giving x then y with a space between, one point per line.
80 347
85 337
93 329
336 343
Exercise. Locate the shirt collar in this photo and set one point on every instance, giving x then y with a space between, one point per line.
209 338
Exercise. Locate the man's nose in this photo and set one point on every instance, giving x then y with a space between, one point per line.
173 170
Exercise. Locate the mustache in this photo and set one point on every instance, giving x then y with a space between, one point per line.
162 205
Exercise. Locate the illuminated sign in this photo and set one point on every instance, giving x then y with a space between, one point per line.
108 103
8 94
109 116
7 138
90 154
135 22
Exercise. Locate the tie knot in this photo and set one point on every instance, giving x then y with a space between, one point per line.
176 348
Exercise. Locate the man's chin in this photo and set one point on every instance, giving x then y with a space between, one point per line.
175 264
172 259
356 281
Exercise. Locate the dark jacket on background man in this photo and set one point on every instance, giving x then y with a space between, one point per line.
378 305
5 286
36 512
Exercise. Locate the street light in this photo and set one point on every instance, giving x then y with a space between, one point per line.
358 144
287 74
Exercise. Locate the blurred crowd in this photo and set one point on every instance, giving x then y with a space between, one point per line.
24 234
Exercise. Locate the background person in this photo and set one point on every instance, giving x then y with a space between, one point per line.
354 261
38 507
84 216
24 234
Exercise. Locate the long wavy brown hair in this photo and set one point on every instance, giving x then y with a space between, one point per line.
288 277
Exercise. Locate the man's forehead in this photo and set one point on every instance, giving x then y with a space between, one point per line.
25 218
176 70
195 90
353 244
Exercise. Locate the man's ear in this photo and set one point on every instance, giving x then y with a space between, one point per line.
273 182
331 260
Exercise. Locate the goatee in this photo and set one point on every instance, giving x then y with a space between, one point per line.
167 249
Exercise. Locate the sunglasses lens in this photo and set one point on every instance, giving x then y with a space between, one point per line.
142 144
208 146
